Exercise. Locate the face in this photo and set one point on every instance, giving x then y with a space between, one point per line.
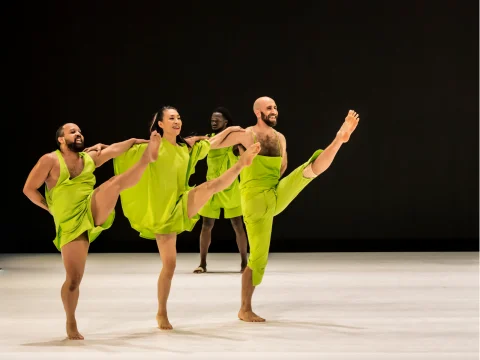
269 113
218 122
171 122
72 138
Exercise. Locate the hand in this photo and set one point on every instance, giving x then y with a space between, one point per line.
141 141
98 148
236 128
191 140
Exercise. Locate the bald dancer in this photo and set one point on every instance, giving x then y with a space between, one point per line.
263 195
79 211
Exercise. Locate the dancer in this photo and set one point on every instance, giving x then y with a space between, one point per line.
263 196
80 213
162 204
219 161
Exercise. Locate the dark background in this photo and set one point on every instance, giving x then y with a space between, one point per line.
407 180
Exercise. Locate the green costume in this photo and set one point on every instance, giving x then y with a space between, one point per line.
219 161
70 203
157 204
263 196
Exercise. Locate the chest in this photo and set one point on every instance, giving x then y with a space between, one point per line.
270 145
75 167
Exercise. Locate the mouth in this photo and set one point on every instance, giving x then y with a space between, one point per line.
176 127
78 140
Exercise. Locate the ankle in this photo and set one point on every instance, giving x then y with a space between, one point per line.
161 313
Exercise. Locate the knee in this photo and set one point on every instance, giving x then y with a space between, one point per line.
207 224
73 282
169 266
237 224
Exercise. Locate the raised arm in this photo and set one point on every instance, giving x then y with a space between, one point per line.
37 177
112 151
232 135
283 144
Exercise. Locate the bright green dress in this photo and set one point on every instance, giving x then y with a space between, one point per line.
70 201
157 204
219 161
263 196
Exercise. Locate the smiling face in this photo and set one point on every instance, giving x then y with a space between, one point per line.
171 122
266 111
71 136
218 122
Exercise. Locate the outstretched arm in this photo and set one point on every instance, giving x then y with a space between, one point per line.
232 135
113 151
37 177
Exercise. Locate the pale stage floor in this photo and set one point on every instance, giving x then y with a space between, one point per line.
318 305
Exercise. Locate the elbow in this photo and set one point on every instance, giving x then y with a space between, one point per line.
27 191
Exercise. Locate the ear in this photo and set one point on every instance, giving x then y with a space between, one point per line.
61 140
257 113
160 124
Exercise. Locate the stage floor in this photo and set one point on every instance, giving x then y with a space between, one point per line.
318 305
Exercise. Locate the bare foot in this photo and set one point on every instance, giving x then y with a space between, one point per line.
72 331
351 122
247 157
154 144
249 316
163 322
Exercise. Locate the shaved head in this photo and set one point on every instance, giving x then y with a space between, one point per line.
261 102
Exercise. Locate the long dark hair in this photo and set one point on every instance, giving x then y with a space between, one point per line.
158 116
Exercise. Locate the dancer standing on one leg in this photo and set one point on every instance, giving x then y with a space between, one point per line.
80 213
264 195
219 161
162 204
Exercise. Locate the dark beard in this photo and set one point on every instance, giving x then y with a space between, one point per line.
267 121
75 147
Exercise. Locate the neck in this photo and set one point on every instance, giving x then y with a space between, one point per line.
68 154
171 138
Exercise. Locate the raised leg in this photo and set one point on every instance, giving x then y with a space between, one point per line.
74 256
168 253
325 159
106 195
199 196
205 240
241 237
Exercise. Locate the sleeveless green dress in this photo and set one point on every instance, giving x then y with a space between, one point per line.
219 161
157 204
70 200
263 196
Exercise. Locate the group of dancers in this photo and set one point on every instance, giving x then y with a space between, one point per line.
152 179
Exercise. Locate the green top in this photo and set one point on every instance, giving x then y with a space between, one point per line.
156 204
69 202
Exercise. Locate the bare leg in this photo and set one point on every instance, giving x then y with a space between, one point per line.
205 240
325 159
199 196
246 313
168 253
241 236
106 195
74 255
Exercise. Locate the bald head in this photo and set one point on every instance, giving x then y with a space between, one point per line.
266 110
261 102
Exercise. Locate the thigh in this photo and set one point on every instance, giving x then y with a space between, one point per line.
74 255
167 246
289 187
198 197
104 199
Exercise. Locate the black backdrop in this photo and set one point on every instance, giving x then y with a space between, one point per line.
407 180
